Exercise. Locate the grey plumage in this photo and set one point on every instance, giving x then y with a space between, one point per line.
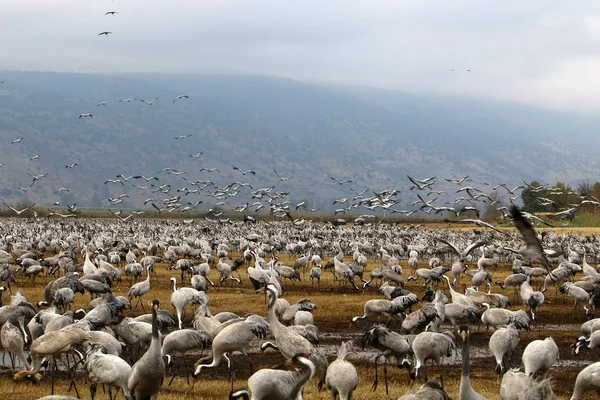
390 344
431 346
107 369
517 385
234 337
466 391
588 379
148 372
268 384
539 356
342 378
503 341
418 320
432 390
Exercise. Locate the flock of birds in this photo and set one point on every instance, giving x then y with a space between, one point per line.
133 354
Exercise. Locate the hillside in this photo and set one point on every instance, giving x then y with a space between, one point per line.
302 130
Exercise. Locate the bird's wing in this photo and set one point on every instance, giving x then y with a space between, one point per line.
473 246
451 245
525 228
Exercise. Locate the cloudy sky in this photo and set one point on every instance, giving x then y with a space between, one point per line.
544 52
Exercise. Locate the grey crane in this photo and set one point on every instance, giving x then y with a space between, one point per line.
387 307
13 339
466 391
578 295
63 298
530 297
302 305
464 253
503 341
269 384
184 296
107 341
389 343
532 250
234 337
107 369
539 356
182 341
457 297
288 341
431 390
315 273
588 379
342 378
139 290
148 372
69 280
51 345
420 319
431 346
514 280
591 343
497 317
516 385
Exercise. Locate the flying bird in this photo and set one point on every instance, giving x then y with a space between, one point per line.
37 177
183 136
106 33
102 103
197 155
35 157
144 178
85 115
533 248
19 140
280 178
111 13
181 96
149 102
245 172
340 182
19 212
71 166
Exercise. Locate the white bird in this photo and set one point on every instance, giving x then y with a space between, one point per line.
85 115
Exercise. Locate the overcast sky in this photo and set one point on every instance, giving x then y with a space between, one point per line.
543 52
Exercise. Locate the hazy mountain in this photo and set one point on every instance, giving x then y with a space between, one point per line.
302 130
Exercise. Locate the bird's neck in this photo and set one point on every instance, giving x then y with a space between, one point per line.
308 370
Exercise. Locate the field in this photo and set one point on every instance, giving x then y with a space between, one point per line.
336 307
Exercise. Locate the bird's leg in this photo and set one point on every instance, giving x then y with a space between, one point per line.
53 367
12 362
93 390
385 375
374 387
251 364
142 304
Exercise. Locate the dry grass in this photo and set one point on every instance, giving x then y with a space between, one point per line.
333 315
